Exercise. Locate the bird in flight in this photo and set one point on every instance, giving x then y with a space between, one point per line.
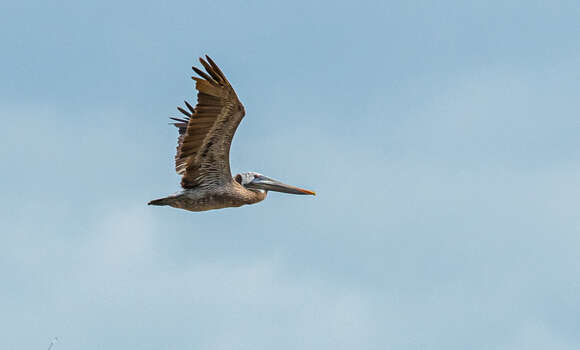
203 150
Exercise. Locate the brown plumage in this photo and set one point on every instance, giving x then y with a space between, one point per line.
205 135
202 159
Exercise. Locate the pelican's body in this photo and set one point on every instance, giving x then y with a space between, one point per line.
205 136
230 195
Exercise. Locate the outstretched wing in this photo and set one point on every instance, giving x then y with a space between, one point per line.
206 132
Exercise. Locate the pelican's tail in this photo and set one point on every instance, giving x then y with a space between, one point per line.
160 201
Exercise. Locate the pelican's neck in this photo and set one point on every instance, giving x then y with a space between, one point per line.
250 196
262 195
257 196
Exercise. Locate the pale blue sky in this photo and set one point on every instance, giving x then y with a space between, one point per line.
441 138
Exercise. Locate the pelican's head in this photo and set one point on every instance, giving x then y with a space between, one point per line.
256 182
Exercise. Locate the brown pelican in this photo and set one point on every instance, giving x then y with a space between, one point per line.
203 150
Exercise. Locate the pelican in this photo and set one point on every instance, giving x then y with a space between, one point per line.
203 150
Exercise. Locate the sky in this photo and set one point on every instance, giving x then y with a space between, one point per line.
441 139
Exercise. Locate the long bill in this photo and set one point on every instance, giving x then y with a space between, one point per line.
267 184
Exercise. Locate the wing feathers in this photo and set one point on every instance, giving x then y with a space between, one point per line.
204 87
184 112
210 70
217 69
205 76
207 129
203 119
208 100
188 106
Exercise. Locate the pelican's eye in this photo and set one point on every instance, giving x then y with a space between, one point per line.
239 179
